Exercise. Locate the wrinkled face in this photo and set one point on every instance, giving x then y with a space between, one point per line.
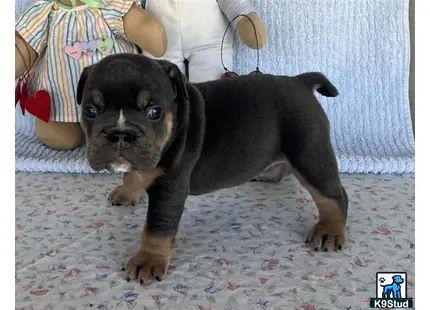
127 113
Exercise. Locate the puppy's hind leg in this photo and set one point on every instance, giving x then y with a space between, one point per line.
314 165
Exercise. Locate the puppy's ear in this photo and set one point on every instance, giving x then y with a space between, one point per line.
177 79
81 83
173 155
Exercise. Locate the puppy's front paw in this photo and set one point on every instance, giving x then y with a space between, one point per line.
123 196
146 266
327 235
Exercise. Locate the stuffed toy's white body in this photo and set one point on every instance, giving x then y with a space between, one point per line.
194 30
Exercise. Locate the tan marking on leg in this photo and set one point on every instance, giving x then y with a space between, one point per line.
134 185
153 258
137 180
329 232
156 244
328 207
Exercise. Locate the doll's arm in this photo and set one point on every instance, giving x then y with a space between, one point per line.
143 29
31 34
25 56
246 31
245 25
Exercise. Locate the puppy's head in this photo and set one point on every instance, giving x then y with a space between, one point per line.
129 105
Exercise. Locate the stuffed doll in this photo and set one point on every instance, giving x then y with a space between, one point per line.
195 31
55 40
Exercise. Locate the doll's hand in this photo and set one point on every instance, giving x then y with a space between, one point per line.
246 31
143 29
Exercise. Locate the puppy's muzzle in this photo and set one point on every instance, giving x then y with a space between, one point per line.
120 138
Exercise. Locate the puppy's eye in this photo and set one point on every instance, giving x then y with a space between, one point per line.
91 112
154 113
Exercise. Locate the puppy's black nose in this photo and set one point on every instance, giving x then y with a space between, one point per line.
121 139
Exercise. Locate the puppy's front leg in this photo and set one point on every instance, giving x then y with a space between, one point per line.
134 185
166 204
153 258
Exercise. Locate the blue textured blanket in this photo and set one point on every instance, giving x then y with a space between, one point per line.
361 45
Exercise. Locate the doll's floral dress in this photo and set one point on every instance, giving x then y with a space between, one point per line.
67 40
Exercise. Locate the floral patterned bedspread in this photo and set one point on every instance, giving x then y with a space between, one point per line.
240 248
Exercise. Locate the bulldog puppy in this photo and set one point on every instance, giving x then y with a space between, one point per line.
172 139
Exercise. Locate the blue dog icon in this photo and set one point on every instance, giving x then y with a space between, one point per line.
393 290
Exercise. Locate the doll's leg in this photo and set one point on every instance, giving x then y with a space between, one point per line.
205 62
59 135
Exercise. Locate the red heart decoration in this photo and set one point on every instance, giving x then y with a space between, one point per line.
17 93
39 105
23 97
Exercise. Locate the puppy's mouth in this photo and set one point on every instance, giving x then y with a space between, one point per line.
121 164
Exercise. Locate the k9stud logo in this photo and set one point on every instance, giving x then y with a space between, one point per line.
391 291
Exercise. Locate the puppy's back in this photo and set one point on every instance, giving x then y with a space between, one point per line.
248 90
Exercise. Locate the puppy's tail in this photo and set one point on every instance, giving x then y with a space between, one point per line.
317 81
